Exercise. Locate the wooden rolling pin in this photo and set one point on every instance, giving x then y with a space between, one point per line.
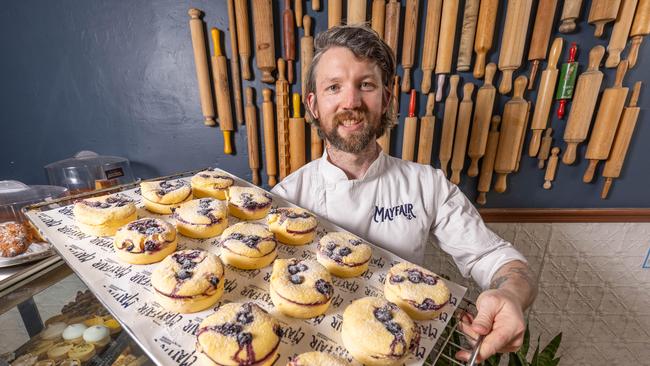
234 65
222 89
334 13
306 53
549 176
624 133
315 5
447 36
601 13
384 140
541 36
299 13
567 82
391 27
523 135
545 150
316 149
487 164
243 37
609 114
430 47
467 34
378 16
462 131
201 63
296 136
513 127
640 28
427 130
487 17
282 120
269 137
621 31
408 43
449 124
482 115
545 97
513 41
289 38
570 12
252 137
264 38
410 129
582 111
356 11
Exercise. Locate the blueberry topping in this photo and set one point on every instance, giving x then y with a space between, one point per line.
302 267
356 242
146 227
130 247
324 287
244 338
278 331
430 280
183 275
104 205
293 269
415 276
394 328
383 314
185 259
427 304
245 317
344 251
396 279
214 280
249 203
236 236
204 175
330 246
229 329
297 279
150 246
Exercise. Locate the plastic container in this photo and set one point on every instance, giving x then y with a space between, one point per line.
14 195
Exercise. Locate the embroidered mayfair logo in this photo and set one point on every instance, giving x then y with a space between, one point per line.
382 214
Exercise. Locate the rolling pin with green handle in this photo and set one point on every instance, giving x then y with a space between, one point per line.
567 81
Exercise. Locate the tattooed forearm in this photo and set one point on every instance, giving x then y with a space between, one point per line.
518 278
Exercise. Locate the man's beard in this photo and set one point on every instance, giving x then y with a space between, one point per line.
355 142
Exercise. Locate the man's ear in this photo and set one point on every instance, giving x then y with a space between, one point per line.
311 103
387 97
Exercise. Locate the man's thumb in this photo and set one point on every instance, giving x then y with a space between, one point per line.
482 324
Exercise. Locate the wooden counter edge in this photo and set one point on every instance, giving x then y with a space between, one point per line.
554 215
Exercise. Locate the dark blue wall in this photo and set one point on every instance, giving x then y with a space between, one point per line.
118 77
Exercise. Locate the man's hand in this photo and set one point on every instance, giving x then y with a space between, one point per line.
500 311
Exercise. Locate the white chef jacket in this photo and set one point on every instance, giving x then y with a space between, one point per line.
395 205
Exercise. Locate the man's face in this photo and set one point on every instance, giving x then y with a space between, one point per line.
349 100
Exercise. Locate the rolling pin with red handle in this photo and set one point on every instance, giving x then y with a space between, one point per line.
467 34
586 96
513 127
449 124
462 130
234 64
296 136
624 133
289 38
221 88
570 12
567 81
621 31
282 120
545 97
609 114
243 37
487 164
264 38
410 129
269 137
430 47
640 28
487 17
446 38
541 36
513 41
408 43
601 13
252 137
427 130
482 115
201 63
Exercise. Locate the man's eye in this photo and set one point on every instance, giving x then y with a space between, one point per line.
367 85
332 88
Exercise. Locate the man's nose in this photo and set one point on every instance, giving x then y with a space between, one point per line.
351 98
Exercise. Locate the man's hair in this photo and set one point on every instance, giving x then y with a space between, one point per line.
365 44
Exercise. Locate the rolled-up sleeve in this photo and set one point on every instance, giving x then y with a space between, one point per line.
461 232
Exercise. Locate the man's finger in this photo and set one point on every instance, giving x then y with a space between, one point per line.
488 307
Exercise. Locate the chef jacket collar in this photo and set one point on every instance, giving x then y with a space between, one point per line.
334 174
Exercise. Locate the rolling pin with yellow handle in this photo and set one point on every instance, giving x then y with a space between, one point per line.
252 137
513 41
306 53
334 13
541 35
378 17
620 32
467 34
234 64
570 12
640 28
545 149
487 17
462 130
356 11
609 114
264 38
269 137
408 43
581 113
430 47
614 163
487 164
221 88
410 129
513 127
243 37
289 39
391 27
447 36
551 168
449 124
282 120
481 125
545 97
427 130
201 63
601 13
296 136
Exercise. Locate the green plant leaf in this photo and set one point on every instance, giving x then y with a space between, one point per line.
525 345
535 360
493 360
548 353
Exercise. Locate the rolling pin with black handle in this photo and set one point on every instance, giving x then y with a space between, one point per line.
487 164
449 124
482 115
462 132
513 41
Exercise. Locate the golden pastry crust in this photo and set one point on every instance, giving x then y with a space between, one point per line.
201 218
343 254
163 197
45 363
248 203
292 225
211 183
103 216
59 351
188 281
418 291
145 241
70 362
238 334
316 358
248 245
82 352
300 289
377 332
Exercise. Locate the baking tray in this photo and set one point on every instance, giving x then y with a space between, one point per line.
168 337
